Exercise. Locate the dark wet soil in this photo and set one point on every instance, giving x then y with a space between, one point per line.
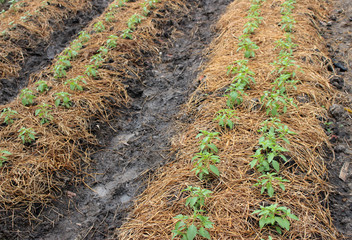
42 55
138 141
338 31
5 5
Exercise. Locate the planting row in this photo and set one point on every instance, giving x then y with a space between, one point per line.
270 152
188 227
49 121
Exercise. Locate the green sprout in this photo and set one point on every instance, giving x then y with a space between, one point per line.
43 112
27 135
275 216
63 99
7 114
74 83
27 97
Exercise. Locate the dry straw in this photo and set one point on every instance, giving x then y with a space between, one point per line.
234 197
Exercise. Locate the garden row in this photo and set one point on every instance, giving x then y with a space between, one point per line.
275 101
27 25
46 130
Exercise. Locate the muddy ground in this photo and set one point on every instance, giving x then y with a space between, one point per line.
35 59
337 31
138 141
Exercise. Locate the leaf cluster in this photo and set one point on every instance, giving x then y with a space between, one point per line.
27 135
275 216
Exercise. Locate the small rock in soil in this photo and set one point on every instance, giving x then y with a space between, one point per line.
340 148
341 66
337 82
336 110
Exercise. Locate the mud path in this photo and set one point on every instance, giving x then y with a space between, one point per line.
339 40
141 140
42 56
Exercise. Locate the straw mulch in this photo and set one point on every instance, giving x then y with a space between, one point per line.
234 198
35 173
28 25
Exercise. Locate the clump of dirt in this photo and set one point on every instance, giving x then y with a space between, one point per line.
42 54
141 140
337 33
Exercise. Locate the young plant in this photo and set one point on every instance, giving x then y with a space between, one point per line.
287 23
206 144
127 34
7 114
188 227
225 117
97 60
112 41
266 181
61 65
243 75
74 83
134 20
248 46
73 50
103 50
251 25
27 97
42 86
274 125
276 102
275 216
84 37
4 156
122 3
63 99
27 135
197 197
99 27
109 16
204 163
235 97
43 112
91 71
268 152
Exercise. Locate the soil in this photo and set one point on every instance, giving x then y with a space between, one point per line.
5 5
339 39
138 141
42 56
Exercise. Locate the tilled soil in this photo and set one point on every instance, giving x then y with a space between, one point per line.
138 141
36 59
339 39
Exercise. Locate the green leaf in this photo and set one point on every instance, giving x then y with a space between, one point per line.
213 147
278 229
282 186
270 191
179 224
284 223
276 165
193 201
204 233
253 163
262 223
191 232
214 169
57 102
294 217
271 157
